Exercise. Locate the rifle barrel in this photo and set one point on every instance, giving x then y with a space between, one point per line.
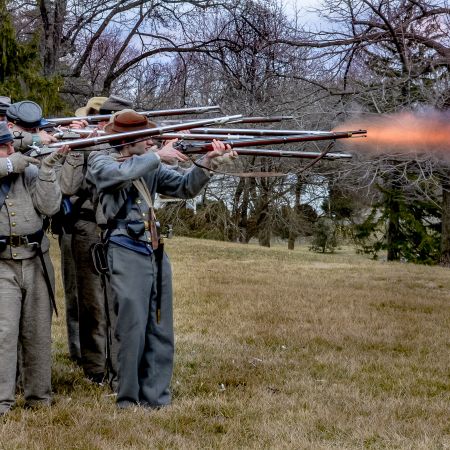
274 153
68 134
156 113
203 148
258 132
201 136
269 119
149 132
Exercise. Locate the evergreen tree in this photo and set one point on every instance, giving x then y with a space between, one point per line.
20 66
324 236
405 227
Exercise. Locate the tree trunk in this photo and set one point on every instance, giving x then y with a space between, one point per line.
445 232
243 222
295 216
291 240
265 227
236 211
53 15
393 235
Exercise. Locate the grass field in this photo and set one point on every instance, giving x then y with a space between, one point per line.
275 349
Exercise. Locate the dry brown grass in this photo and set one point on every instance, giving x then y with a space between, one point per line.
275 349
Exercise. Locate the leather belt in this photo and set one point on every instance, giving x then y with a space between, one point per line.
23 241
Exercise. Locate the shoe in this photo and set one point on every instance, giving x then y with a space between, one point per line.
152 407
35 404
4 413
76 360
96 378
125 404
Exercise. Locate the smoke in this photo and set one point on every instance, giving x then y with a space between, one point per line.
423 132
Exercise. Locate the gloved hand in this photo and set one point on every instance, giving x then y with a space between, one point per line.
219 155
56 157
220 161
20 161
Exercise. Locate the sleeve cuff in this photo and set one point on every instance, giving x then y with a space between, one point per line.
47 174
36 139
74 159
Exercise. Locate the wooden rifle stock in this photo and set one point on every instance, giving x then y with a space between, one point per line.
135 136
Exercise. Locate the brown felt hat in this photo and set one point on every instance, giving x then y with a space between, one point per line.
92 107
128 120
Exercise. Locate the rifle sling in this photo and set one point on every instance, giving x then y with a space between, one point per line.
158 248
47 278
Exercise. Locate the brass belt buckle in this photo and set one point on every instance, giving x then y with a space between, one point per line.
15 241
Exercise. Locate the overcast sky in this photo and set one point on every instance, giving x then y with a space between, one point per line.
305 7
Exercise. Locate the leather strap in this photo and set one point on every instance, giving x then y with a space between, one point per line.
142 188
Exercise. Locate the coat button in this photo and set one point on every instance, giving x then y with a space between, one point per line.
13 213
10 203
13 224
14 255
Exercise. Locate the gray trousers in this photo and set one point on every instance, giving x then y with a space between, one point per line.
25 318
91 310
70 295
145 347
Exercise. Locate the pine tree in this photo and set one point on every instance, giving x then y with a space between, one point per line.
20 66
406 228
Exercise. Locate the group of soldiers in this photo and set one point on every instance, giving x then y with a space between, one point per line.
100 202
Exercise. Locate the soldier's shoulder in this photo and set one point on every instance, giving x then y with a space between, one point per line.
29 174
96 154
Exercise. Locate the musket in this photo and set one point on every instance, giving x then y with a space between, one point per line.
74 133
274 153
139 135
257 132
71 134
262 119
203 148
162 112
254 119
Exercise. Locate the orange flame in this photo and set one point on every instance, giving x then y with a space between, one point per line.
424 132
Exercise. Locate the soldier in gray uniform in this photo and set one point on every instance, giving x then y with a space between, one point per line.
86 217
25 119
71 179
26 273
140 273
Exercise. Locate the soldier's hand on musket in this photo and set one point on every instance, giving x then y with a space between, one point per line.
46 138
20 161
56 157
78 124
169 154
220 153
